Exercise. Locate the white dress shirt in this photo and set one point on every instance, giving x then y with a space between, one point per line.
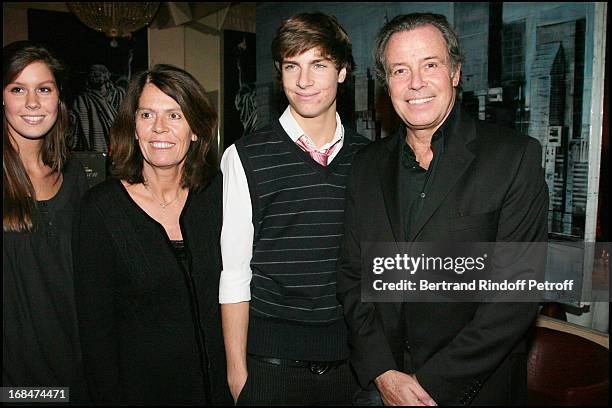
237 229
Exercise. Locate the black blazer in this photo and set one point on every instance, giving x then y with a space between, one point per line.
136 311
489 186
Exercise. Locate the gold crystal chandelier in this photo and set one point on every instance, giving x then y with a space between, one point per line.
114 19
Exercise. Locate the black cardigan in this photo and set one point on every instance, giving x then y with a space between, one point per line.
133 301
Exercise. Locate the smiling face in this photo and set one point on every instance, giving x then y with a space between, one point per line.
162 130
31 102
310 81
421 83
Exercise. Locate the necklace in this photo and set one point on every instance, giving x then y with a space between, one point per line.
163 204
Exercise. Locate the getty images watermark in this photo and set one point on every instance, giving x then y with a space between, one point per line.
485 272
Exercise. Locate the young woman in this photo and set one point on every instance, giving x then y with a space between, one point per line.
40 189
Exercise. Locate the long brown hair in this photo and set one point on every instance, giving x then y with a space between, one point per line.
199 113
19 197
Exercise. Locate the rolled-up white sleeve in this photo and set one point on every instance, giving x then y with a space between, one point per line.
236 231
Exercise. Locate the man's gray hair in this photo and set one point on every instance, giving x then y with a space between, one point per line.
407 22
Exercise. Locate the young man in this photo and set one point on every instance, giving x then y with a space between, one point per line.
442 177
284 186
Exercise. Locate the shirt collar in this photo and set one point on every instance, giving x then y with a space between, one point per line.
438 140
295 131
444 130
440 137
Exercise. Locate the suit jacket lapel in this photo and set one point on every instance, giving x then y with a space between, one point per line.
388 172
454 162
387 169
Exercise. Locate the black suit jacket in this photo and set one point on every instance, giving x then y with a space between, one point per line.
489 186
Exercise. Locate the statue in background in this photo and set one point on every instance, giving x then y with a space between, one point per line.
94 110
245 100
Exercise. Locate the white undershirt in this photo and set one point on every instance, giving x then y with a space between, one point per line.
237 230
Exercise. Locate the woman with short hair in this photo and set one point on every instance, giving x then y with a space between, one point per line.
146 252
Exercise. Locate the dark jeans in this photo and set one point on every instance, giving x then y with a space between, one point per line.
269 384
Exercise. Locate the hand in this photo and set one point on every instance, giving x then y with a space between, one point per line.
397 388
236 381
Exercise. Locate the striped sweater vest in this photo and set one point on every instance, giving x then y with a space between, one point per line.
298 216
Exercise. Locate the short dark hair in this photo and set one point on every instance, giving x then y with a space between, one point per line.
18 192
304 31
200 115
408 22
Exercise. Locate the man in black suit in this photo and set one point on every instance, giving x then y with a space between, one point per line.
443 177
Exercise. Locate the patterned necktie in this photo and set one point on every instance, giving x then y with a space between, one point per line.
308 146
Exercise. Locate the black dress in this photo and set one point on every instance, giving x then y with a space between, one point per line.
40 338
149 316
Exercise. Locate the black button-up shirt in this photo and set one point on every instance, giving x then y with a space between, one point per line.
415 185
415 182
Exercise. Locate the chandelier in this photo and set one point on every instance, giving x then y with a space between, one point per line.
114 19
